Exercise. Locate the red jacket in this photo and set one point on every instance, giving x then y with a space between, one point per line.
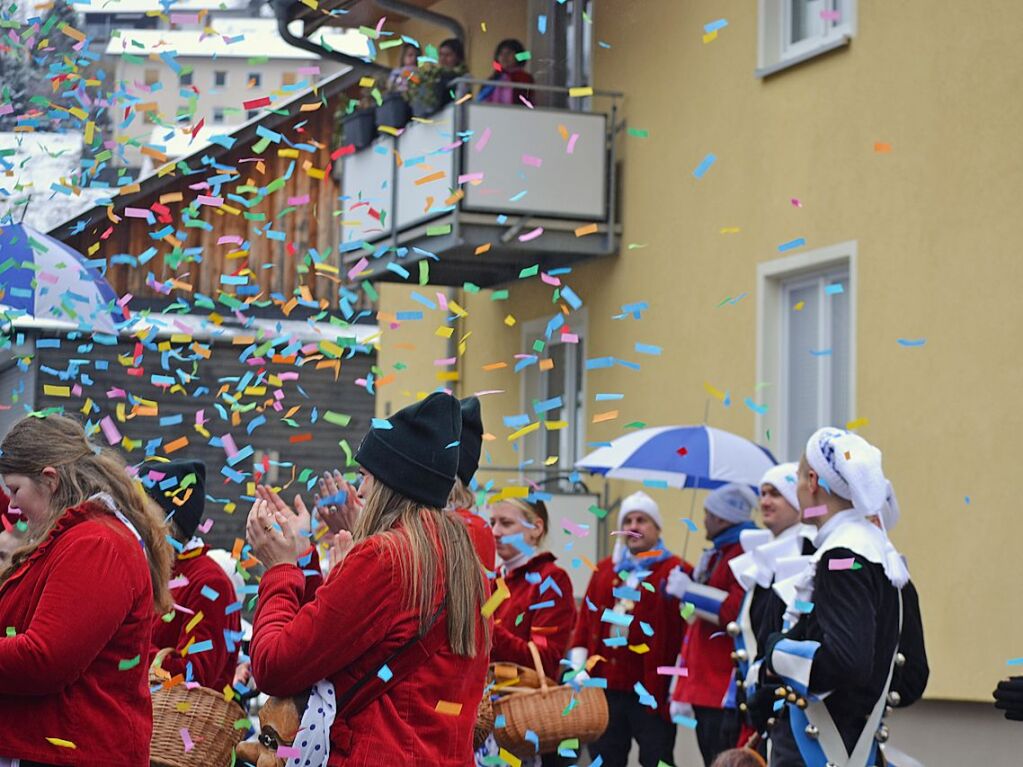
213 668
81 608
354 622
482 536
660 611
707 648
549 627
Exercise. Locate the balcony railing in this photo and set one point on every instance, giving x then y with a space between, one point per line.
484 190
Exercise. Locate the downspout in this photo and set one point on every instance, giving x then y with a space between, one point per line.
457 31
430 17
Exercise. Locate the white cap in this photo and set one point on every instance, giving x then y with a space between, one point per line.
640 501
733 503
783 479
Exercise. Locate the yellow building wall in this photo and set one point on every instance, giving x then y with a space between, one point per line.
937 235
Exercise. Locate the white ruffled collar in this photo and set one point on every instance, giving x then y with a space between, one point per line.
846 530
758 565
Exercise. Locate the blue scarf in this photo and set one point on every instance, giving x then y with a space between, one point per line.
731 535
631 564
722 539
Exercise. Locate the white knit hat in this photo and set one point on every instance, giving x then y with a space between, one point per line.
783 479
640 501
733 503
850 467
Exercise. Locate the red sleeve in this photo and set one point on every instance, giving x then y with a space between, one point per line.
313 574
549 628
295 645
207 665
84 601
587 632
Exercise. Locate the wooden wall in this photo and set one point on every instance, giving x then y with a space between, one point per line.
275 266
306 445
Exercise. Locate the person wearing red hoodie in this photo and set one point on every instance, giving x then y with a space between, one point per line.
716 595
540 607
201 635
628 627
461 501
77 602
392 647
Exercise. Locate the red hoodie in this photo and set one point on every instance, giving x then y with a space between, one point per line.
535 611
73 674
356 619
199 585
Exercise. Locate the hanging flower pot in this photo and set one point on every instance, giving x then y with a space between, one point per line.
394 111
359 128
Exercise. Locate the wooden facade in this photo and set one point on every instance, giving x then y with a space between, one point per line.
287 447
255 221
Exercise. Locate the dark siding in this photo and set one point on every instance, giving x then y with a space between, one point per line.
319 454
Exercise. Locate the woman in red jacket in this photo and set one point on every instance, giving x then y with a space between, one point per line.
540 607
77 601
392 646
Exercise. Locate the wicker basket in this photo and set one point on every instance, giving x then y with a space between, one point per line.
484 722
210 721
542 711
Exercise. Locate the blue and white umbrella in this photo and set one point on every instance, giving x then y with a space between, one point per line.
45 279
681 456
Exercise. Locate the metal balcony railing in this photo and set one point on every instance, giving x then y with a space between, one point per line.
488 185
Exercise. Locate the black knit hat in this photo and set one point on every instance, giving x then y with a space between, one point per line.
471 446
418 455
188 515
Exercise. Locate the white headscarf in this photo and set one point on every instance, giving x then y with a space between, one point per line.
850 468
890 510
733 503
783 479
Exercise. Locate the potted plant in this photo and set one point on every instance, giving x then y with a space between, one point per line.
394 110
426 91
358 126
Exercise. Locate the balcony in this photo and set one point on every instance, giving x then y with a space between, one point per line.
480 192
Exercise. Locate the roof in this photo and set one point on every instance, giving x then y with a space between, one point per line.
282 112
166 7
228 38
34 192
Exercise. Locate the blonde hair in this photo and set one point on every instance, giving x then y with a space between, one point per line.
83 470
422 540
461 497
533 512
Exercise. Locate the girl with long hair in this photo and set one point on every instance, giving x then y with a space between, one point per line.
77 599
392 646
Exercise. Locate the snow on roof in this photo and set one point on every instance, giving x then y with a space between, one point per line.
162 6
240 38
35 191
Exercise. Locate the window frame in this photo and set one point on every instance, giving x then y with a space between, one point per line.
773 277
219 116
576 429
775 52
186 78
255 78
216 76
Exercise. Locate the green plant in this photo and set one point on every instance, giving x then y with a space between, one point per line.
429 88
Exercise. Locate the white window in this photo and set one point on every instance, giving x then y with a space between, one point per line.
792 31
806 350
554 395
